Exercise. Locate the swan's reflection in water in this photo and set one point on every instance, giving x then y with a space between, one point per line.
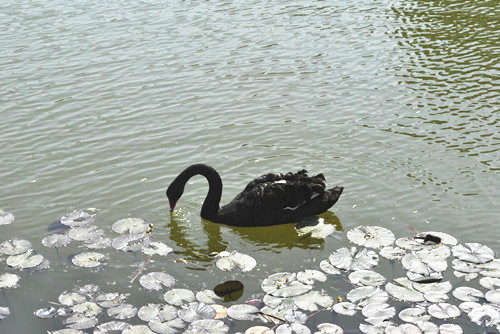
272 238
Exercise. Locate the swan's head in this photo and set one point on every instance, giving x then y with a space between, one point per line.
174 192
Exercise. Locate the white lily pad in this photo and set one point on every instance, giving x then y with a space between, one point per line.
68 298
207 326
487 315
366 295
130 242
9 280
491 269
156 248
392 252
473 252
423 263
178 297
296 316
98 243
353 259
157 280
166 327
445 237
315 226
450 329
243 312
443 311
436 297
466 276
149 312
15 247
346 308
130 226
122 311
77 218
403 329
313 301
326 328
4 312
138 329
111 326
25 260
111 299
466 307
405 293
80 321
377 313
409 244
207 297
327 267
308 276
371 236
6 217
89 259
366 277
229 261
196 311
419 278
441 287
56 240
284 285
88 309
490 283
46 313
414 315
467 294
493 296
292 328
84 233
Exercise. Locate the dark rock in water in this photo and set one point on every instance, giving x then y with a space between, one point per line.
57 227
429 238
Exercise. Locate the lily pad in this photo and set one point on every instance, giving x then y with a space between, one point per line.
487 315
366 295
156 248
326 328
443 287
130 242
313 301
88 309
46 313
6 217
402 329
69 298
371 236
9 280
346 308
450 329
85 233
150 311
467 294
111 299
473 252
490 283
196 311
56 240
25 260
111 326
409 244
353 259
89 259
366 277
414 315
466 307
243 312
491 269
157 280
122 311
392 252
284 285
229 261
130 226
15 247
77 218
207 326
404 292
315 227
423 263
445 237
138 329
4 312
178 297
292 328
493 296
327 267
443 311
80 321
308 276
98 243
377 313
207 297
166 327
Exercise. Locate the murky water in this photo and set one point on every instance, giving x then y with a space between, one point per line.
104 103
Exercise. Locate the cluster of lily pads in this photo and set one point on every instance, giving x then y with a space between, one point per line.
289 299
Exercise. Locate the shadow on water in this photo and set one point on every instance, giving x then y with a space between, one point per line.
273 238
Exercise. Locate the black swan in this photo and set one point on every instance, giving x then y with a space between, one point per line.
271 199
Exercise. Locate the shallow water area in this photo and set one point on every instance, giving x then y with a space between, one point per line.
104 103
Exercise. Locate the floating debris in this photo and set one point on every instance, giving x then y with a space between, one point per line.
56 240
4 312
157 280
230 260
77 219
130 226
46 313
89 259
6 217
371 236
315 227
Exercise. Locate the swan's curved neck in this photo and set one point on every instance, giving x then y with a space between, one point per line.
211 204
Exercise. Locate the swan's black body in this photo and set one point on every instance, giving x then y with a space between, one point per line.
270 199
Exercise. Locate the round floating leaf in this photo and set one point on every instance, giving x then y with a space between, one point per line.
377 313
196 311
450 329
85 233
441 251
423 263
112 326
432 277
15 247
122 311
208 326
138 329
473 252
406 293
88 309
25 260
156 248
313 301
465 267
493 296
487 315
207 297
402 329
178 297
443 287
414 315
315 227
67 331
436 297
365 295
88 289
366 277
392 252
243 312
327 267
80 321
346 308
130 243
157 280
427 327
371 236
130 226
77 218
6 217
9 280
296 316
71 298
467 294
491 269
166 327
409 244
326 328
64 311
149 312
89 259
466 307
259 330
98 243
284 285
4 312
110 299
56 240
443 311
46 313
309 276
353 259
445 238
229 261
490 283
293 328
466 276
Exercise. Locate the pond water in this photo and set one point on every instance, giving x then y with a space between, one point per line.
103 103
